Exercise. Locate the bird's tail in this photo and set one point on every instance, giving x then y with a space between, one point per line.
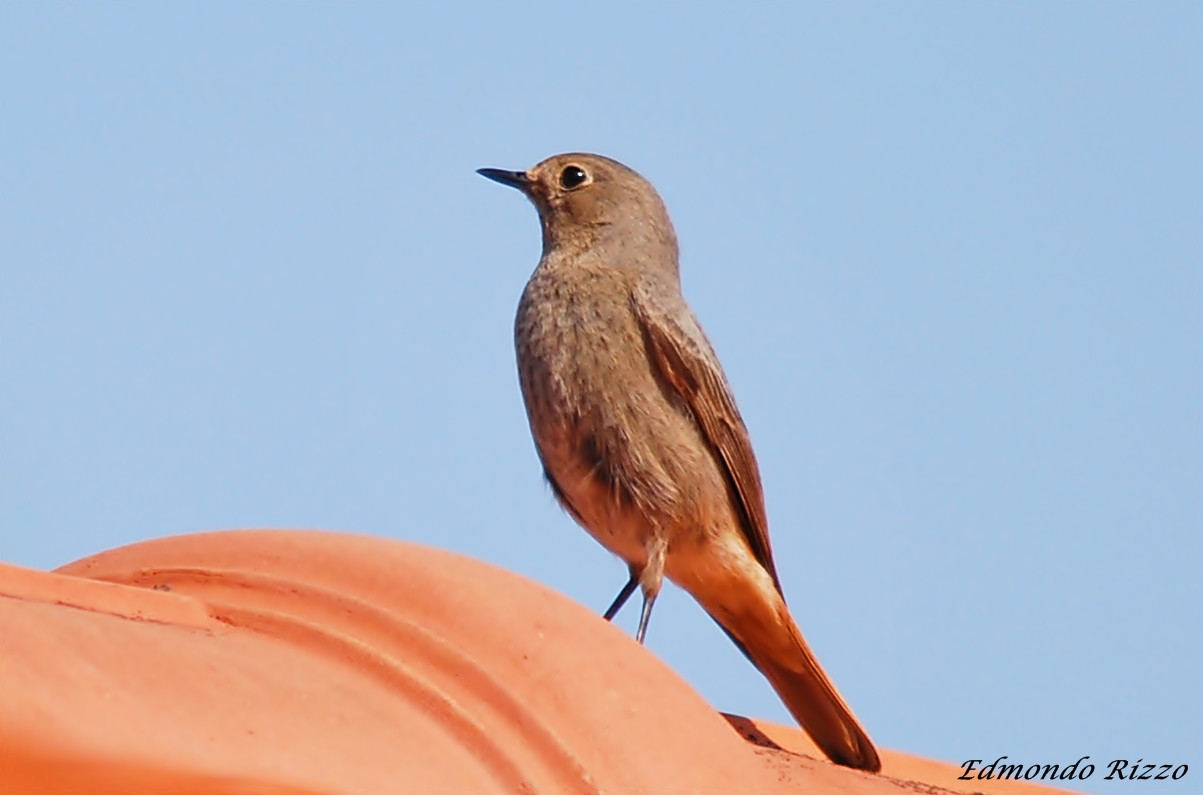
754 614
812 699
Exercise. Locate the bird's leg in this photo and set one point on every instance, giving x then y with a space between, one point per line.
650 579
649 599
623 595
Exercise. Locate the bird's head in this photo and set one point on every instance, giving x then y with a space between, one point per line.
585 200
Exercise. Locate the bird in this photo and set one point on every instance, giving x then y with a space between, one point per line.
638 432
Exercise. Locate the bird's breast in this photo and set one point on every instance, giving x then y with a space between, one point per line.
621 454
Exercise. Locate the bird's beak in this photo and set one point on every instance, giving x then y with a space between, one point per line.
515 179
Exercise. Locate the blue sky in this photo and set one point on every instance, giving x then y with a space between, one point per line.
950 255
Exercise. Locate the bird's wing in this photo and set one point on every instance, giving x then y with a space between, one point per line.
686 363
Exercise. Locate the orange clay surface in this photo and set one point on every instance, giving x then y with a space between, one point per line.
304 662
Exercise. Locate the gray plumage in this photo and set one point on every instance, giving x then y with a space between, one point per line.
638 431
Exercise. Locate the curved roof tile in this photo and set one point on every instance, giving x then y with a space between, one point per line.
308 662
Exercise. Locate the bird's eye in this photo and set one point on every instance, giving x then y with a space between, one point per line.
573 177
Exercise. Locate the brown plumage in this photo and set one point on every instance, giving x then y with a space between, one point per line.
639 434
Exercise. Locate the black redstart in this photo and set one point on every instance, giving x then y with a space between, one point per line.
638 431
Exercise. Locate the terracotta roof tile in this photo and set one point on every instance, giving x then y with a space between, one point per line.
306 662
